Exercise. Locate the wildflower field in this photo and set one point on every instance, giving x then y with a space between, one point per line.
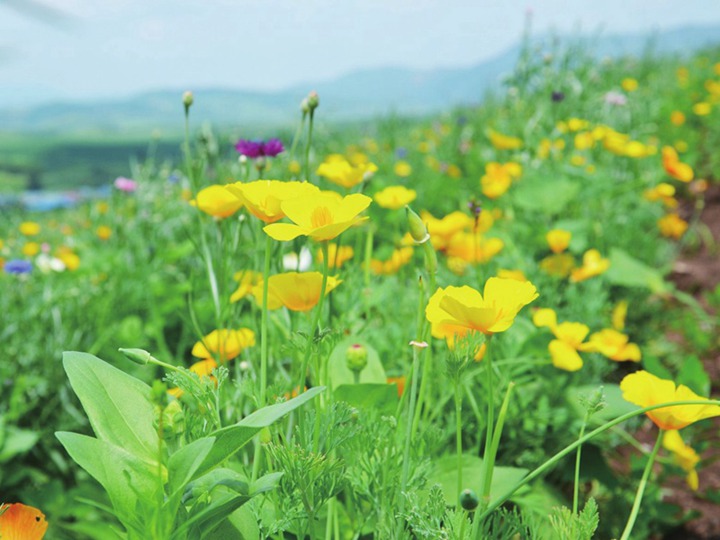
499 322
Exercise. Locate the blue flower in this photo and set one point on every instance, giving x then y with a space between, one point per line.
18 266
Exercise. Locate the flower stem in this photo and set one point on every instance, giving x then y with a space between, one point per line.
264 350
490 390
458 436
311 116
577 465
497 433
641 488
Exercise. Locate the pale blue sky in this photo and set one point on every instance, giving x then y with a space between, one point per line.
117 48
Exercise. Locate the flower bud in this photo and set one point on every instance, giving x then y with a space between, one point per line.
469 500
305 106
187 99
356 358
418 230
139 356
313 100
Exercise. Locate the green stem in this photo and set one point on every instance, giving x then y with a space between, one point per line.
265 345
308 145
641 488
458 437
490 390
577 465
497 433
296 138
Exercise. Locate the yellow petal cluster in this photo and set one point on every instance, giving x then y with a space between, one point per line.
683 455
614 345
224 344
593 265
217 201
263 198
569 339
342 172
394 197
297 291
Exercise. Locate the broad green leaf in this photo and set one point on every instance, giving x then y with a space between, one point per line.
615 404
245 522
229 440
656 367
127 479
341 374
266 483
693 375
444 473
186 461
17 441
549 196
629 272
117 404
383 397
203 486
203 523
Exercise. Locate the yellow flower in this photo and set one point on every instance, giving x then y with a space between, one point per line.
569 339
629 84
558 240
294 167
402 169
103 232
321 217
644 389
702 109
672 226
576 124
504 142
224 344
662 192
71 260
674 167
217 201
336 258
619 314
263 198
455 312
614 345
30 228
341 172
495 185
560 264
683 455
584 140
21 522
442 230
398 259
203 368
31 249
297 291
511 274
246 279
453 171
677 118
394 197
473 248
593 265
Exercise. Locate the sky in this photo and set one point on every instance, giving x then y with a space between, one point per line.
117 48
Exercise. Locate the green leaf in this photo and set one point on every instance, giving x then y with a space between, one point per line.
655 366
444 473
629 272
17 441
383 397
266 483
341 374
245 522
543 195
229 440
126 478
185 462
117 404
693 375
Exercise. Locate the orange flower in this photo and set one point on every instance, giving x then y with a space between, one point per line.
593 265
672 226
674 167
21 522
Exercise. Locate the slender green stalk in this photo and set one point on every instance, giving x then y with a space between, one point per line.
576 488
489 461
265 345
458 436
490 390
311 116
641 488
296 138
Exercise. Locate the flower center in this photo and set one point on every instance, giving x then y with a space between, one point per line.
320 217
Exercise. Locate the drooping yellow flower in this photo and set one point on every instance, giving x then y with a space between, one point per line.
662 192
217 201
454 312
473 248
677 118
403 169
398 259
30 228
340 171
614 345
297 291
683 455
224 344
103 232
674 167
263 198
504 142
21 522
336 258
569 339
560 264
629 84
394 197
672 226
321 217
593 265
645 389
246 279
558 240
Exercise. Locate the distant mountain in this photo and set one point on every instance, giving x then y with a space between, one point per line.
354 96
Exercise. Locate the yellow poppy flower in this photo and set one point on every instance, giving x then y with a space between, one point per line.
455 312
263 198
558 240
473 248
495 186
584 140
570 336
340 171
504 142
614 345
217 201
21 522
70 259
398 259
246 279
511 274
442 230
593 265
702 109
559 265
31 249
394 197
576 124
30 228
204 368
662 192
297 291
672 226
674 167
683 455
402 169
224 344
336 258
645 389
677 118
619 314
629 84
321 217
103 232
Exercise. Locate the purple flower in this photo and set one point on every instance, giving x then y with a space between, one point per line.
18 266
125 184
557 96
258 149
